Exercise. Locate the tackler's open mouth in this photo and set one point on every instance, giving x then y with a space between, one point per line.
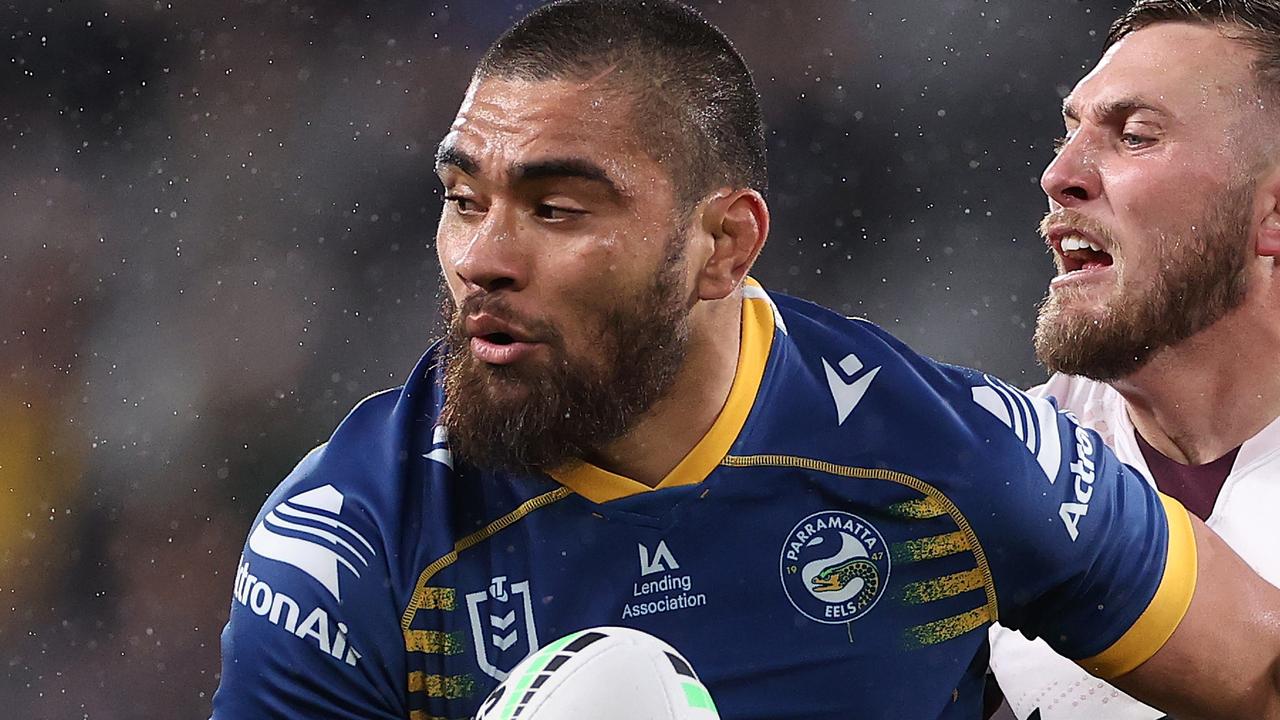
1080 253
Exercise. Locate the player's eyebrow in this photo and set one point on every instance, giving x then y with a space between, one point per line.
568 167
1111 109
448 154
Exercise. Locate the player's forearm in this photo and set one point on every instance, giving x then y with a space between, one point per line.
1270 701
1250 669
1236 699
1263 697
1237 614
1261 700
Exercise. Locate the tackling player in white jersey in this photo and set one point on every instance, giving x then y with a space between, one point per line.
1164 321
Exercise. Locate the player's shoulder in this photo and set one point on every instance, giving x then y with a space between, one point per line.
365 461
379 427
816 330
900 396
322 579
910 379
356 455
336 508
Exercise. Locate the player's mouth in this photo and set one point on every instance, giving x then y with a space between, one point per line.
1081 256
498 342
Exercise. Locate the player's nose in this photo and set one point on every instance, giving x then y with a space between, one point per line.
1072 178
491 257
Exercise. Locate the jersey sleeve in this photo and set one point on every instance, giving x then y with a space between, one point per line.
313 631
1082 551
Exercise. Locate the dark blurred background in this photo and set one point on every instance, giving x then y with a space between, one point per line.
216 225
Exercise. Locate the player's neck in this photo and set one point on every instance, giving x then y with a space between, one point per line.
675 424
1197 401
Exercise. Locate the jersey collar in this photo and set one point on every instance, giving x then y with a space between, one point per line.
758 312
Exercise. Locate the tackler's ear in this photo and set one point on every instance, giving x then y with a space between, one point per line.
1268 240
737 221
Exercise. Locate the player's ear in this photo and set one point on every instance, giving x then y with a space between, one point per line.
1268 195
737 222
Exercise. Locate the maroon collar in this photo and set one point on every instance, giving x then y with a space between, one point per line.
1195 486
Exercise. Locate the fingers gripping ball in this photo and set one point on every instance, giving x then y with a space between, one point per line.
606 672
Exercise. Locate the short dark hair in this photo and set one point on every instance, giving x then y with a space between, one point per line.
1254 23
693 100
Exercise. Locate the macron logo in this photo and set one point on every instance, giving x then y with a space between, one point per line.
305 532
847 393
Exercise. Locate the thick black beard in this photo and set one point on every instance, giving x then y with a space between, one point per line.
1203 279
553 414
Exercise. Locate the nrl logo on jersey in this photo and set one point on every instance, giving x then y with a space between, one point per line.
834 567
502 625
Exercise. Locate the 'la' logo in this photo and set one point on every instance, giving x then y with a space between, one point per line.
662 560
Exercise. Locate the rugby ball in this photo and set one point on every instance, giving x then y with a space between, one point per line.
604 672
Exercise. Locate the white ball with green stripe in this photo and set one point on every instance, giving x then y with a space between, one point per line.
605 672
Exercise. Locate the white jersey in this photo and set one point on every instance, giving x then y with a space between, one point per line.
1034 677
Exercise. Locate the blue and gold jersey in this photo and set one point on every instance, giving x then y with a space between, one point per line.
835 546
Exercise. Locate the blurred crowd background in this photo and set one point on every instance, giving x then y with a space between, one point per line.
216 225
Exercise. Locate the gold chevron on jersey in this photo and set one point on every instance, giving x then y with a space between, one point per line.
449 687
940 588
930 548
433 642
436 642
424 715
948 628
931 590
922 508
438 598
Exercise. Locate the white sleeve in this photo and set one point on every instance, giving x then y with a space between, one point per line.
1035 678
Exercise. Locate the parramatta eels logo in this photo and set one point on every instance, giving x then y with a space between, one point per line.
834 567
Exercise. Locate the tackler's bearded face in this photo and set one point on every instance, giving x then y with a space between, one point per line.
566 288
1151 205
